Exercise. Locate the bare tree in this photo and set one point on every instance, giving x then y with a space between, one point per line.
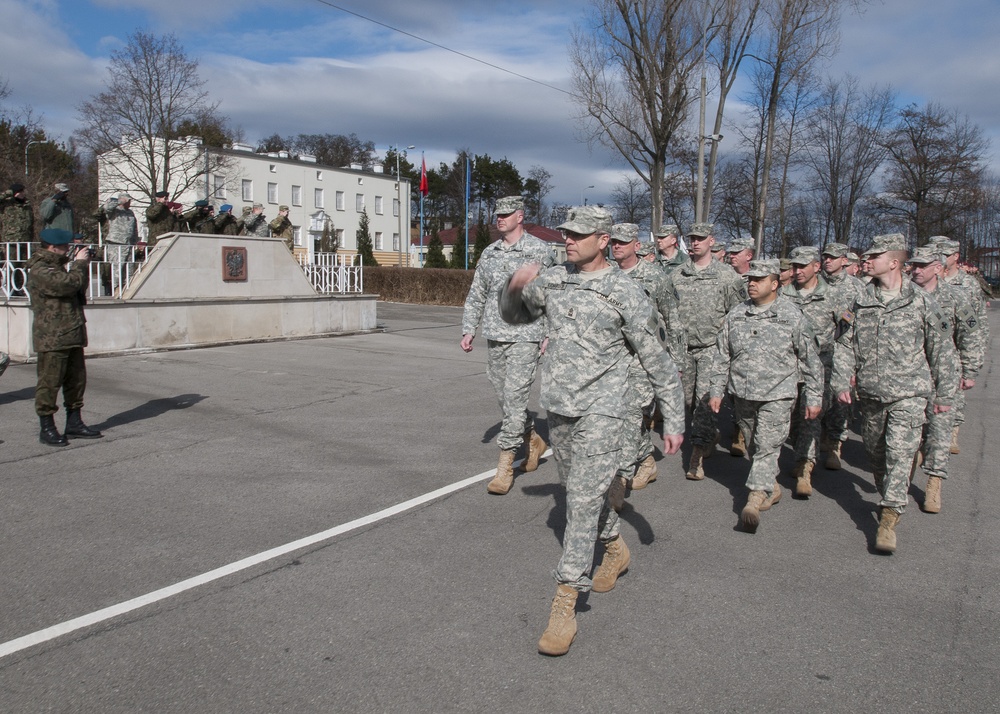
847 137
632 76
153 95
630 197
537 186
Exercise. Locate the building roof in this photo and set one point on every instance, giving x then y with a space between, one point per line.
451 235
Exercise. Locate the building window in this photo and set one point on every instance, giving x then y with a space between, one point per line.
272 193
318 197
319 175
219 186
379 210
359 202
247 190
395 242
338 233
395 207
296 195
340 200
272 168
378 241
297 235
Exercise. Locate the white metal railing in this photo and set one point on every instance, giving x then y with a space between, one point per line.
111 272
332 273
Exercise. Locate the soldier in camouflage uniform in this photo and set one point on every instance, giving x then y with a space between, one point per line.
764 350
512 350
739 253
785 276
160 219
897 346
16 216
281 227
705 290
853 266
823 308
966 333
597 319
59 334
669 255
954 275
639 467
56 210
226 223
255 224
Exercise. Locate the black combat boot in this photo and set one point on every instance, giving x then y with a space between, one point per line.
49 434
77 429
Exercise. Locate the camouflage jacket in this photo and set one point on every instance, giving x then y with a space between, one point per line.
764 352
824 308
655 284
159 221
56 213
704 298
256 225
198 221
282 228
226 224
844 285
496 264
669 265
17 219
122 226
966 328
57 299
973 292
896 350
595 324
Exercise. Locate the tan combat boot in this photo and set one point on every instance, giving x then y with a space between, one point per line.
739 445
885 538
954 441
616 493
750 517
772 499
534 447
932 495
803 478
615 562
504 477
696 471
561 631
645 474
833 456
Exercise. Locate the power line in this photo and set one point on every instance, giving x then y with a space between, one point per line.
442 47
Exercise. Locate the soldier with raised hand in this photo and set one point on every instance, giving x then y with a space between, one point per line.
160 218
281 227
966 333
16 217
56 211
669 255
255 222
705 290
596 319
823 308
639 466
897 348
512 351
764 349
226 223
953 274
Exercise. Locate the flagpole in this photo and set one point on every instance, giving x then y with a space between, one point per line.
468 180
423 186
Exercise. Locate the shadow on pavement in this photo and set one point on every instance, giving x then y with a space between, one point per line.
150 410
19 396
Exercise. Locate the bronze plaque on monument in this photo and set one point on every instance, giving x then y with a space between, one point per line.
234 264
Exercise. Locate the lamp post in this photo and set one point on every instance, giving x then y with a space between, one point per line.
399 202
26 154
583 201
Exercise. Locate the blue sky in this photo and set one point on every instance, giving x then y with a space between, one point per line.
301 66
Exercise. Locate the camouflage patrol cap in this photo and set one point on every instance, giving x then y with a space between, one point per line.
247 209
283 207
739 244
123 197
56 236
763 268
785 264
719 246
925 255
947 246
586 220
258 205
644 249
62 188
853 257
668 229
700 230
804 255
835 250
624 232
509 204
885 243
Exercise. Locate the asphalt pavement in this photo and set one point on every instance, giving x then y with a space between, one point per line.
214 456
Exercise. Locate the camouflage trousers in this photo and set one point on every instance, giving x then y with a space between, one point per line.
636 441
891 432
958 408
765 427
511 368
837 416
937 441
697 371
806 432
64 370
587 450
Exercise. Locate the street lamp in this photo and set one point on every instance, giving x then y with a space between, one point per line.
583 201
26 154
399 202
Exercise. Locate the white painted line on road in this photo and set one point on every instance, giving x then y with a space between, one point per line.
98 616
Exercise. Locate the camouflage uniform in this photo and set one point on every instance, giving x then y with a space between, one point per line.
17 219
703 297
282 228
512 350
57 212
762 354
901 355
844 287
59 330
669 265
159 221
225 223
255 224
595 323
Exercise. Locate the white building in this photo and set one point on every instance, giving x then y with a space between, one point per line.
316 195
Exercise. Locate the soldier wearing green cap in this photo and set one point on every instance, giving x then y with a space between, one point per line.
281 227
59 334
764 349
897 348
669 255
598 320
512 351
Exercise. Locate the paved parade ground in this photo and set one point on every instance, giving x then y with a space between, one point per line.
231 546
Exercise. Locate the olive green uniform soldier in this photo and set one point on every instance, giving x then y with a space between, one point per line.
59 334
16 217
281 227
56 211
160 219
199 218
226 223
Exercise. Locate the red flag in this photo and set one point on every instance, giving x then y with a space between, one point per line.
424 190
